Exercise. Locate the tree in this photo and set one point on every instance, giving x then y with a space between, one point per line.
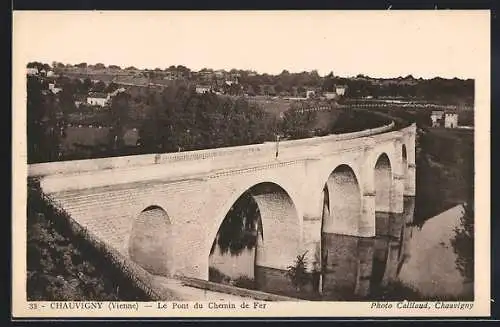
239 229
43 127
67 98
99 86
87 85
99 66
35 114
82 65
328 83
298 273
111 87
118 116
297 124
463 242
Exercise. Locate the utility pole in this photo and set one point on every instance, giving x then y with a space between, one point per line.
277 144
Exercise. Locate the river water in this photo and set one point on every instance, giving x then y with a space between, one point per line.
408 262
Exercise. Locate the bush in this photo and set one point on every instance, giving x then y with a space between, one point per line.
297 272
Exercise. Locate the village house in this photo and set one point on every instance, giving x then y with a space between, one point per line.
447 119
97 99
201 89
54 89
340 89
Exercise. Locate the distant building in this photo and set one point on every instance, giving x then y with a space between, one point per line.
200 89
310 94
97 99
340 89
54 89
450 120
50 73
447 119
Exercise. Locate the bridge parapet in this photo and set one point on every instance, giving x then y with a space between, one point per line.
255 150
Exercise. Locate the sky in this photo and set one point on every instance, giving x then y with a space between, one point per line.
376 43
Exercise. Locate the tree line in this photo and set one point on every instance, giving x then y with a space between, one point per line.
450 91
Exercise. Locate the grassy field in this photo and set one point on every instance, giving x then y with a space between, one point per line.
273 106
89 136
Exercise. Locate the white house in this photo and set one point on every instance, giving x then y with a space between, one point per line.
340 89
54 89
203 89
97 99
310 94
450 120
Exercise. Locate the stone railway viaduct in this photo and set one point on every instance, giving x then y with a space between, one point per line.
163 211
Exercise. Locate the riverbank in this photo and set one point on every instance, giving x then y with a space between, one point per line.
61 266
445 171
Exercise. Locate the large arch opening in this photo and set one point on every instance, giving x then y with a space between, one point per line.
342 211
341 216
149 241
257 239
383 186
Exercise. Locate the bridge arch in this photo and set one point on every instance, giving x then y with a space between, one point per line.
278 236
383 172
342 201
150 241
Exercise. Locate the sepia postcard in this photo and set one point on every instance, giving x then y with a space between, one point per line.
251 164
